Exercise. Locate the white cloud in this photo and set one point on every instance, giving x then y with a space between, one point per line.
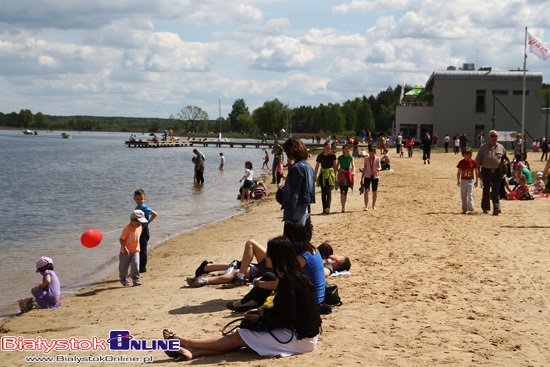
246 14
149 57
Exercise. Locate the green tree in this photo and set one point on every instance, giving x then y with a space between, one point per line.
239 109
365 119
336 119
39 120
191 116
271 117
25 118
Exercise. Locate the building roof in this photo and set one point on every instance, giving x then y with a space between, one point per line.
482 74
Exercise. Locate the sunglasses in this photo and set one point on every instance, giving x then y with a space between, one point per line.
493 136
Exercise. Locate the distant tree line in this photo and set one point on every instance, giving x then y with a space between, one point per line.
351 117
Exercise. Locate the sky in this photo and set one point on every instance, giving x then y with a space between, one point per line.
150 58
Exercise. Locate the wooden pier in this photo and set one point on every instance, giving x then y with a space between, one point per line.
215 143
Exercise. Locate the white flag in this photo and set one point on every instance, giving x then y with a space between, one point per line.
536 47
402 93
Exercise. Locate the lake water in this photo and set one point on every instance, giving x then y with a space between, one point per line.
54 189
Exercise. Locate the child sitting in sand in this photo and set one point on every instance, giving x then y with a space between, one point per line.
47 294
260 191
539 184
129 249
522 191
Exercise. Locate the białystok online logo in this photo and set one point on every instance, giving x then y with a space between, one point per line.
120 340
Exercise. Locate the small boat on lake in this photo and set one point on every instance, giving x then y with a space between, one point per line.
28 132
66 136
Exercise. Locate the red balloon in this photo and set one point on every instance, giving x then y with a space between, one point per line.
91 238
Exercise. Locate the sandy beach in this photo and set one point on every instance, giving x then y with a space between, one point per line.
428 285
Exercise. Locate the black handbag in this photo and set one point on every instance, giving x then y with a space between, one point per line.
254 325
331 295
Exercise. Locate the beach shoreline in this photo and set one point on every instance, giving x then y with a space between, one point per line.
427 286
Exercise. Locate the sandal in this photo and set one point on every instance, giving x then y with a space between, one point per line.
173 353
170 336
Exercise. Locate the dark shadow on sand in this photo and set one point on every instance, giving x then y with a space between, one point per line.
214 305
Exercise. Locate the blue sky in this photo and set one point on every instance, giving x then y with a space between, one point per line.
148 58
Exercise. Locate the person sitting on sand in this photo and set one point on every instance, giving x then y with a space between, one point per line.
252 249
309 259
294 316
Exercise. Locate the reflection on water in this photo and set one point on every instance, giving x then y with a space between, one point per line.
54 189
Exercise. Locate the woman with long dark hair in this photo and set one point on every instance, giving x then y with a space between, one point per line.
295 315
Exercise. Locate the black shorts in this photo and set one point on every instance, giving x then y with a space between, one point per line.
247 184
367 182
257 270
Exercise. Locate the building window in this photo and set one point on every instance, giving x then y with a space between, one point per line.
480 101
500 92
520 93
408 130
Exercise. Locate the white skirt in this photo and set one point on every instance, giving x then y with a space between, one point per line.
265 345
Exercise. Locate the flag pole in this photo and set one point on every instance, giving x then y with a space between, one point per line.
524 88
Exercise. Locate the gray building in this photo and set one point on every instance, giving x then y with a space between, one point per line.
472 102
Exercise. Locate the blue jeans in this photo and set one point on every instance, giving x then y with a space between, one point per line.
301 213
124 261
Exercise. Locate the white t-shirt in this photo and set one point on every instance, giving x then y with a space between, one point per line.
250 176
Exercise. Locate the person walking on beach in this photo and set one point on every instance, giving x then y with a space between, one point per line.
398 142
410 145
488 158
371 174
426 148
299 190
199 165
129 249
467 171
327 177
150 215
346 172
446 141
456 142
276 151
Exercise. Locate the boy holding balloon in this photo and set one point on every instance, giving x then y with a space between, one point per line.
129 249
150 215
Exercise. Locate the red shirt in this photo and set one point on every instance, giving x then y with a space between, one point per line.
467 168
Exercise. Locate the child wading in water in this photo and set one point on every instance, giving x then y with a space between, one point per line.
129 249
248 179
222 161
47 294
266 161
467 169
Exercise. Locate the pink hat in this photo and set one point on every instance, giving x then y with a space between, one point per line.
521 165
43 261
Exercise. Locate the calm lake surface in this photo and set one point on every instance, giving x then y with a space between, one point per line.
54 189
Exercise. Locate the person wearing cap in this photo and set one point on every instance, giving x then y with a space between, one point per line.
129 249
48 293
488 158
539 184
